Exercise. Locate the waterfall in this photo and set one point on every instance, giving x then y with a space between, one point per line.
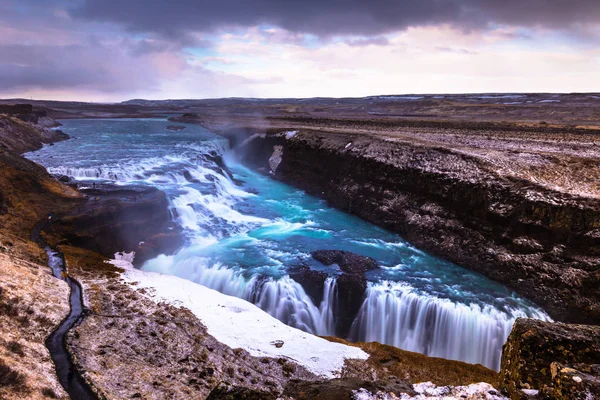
283 298
394 314
286 300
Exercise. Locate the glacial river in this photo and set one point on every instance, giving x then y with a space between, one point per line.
243 234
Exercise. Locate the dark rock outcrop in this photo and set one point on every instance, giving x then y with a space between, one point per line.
120 219
14 109
534 346
160 243
342 389
351 284
313 282
257 150
20 137
350 263
190 118
542 243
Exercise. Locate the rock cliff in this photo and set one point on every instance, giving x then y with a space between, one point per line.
558 360
460 205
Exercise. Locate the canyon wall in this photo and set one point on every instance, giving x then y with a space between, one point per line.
543 243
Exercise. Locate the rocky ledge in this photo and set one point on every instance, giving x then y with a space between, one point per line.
20 136
522 211
120 219
551 360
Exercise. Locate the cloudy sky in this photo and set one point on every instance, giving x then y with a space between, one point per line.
113 50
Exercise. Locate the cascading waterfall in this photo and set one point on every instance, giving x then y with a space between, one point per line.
287 301
243 235
394 314
283 298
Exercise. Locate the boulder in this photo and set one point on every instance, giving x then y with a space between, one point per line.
532 348
348 262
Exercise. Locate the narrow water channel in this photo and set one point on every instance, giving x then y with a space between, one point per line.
67 373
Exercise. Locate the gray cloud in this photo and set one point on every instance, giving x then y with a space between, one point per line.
90 66
336 17
371 41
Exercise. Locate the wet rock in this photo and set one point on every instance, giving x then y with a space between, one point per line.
63 178
313 282
348 262
161 243
188 177
275 158
351 294
187 118
533 346
214 161
175 127
351 284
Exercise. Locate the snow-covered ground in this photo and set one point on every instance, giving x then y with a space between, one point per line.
427 390
239 324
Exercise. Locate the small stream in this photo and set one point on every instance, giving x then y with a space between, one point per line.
68 375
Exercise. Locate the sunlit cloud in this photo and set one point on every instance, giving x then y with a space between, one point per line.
112 51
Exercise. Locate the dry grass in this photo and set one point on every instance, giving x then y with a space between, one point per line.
416 367
11 378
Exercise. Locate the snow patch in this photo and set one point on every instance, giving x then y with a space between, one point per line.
239 324
401 97
123 260
499 96
530 392
549 101
427 390
290 134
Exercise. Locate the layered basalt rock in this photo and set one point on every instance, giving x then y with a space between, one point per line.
541 242
546 356
121 219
